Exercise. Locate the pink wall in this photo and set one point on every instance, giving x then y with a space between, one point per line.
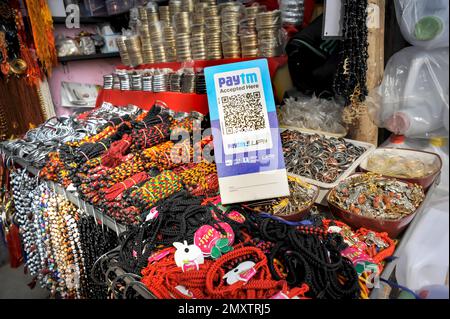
87 71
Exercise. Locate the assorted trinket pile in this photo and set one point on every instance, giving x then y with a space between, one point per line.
318 157
401 166
377 197
302 197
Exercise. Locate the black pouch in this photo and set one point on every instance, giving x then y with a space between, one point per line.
313 61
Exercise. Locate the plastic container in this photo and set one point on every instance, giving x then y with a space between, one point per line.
95 8
413 121
426 157
439 145
433 292
446 119
401 141
392 227
424 23
115 6
413 96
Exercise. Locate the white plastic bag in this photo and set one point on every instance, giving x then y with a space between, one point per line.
413 97
424 260
424 23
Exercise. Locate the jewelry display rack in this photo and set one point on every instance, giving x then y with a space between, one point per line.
71 196
89 209
382 291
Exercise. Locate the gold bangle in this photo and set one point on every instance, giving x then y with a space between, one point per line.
18 66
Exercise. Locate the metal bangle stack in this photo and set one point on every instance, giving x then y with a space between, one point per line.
182 39
211 11
187 5
292 12
174 8
133 44
116 81
231 14
175 82
198 33
209 2
268 25
164 15
199 15
213 30
124 56
142 14
152 13
198 42
125 84
156 36
183 47
146 44
147 82
188 82
136 82
200 83
160 81
170 43
159 52
247 32
187 30
182 22
108 82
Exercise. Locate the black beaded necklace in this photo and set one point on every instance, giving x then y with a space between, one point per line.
350 80
95 242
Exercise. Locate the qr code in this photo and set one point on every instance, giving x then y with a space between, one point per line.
243 113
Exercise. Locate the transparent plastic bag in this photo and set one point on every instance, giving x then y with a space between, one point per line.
313 113
87 45
424 23
413 96
291 11
424 259
66 46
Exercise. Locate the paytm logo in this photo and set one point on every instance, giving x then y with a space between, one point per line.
243 78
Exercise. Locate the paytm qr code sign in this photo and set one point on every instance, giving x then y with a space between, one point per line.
241 104
247 146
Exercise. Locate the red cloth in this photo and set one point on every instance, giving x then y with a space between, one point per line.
180 102
270 4
14 247
308 12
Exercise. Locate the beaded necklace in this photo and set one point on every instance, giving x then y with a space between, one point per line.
350 80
